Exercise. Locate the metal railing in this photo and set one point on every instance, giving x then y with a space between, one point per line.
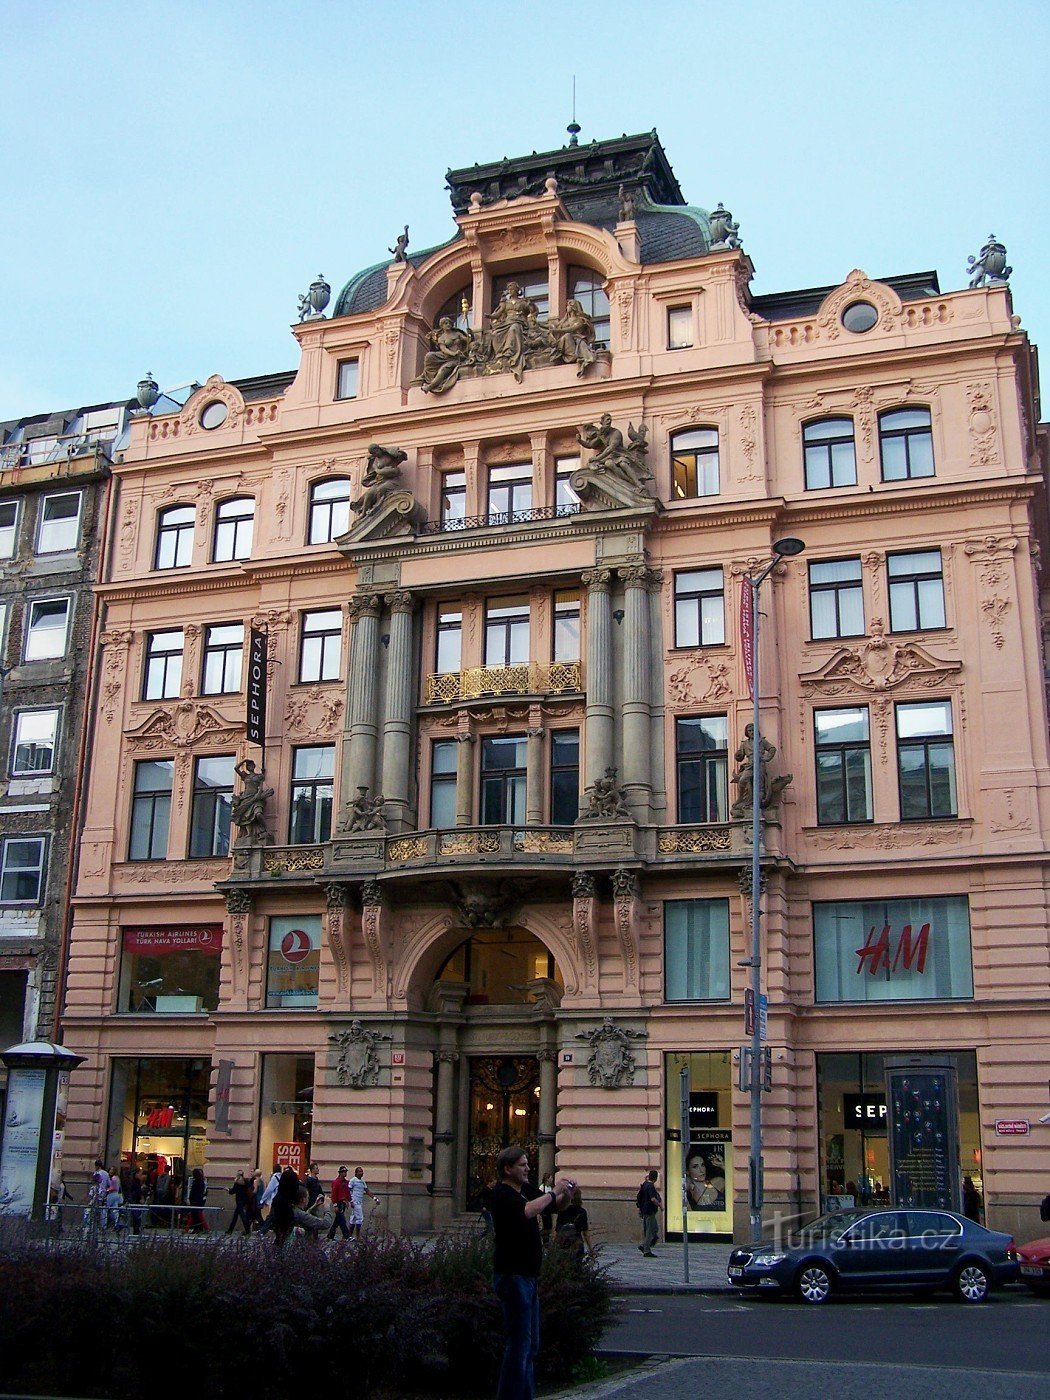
559 678
498 519
40 452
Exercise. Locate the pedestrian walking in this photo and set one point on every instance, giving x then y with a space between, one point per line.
314 1191
266 1201
358 1191
134 1197
518 1255
243 1193
340 1198
288 1209
649 1204
114 1201
572 1227
198 1194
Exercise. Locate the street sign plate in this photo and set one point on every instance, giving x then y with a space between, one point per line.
1011 1127
749 1011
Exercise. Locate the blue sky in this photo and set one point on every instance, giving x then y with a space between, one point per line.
177 174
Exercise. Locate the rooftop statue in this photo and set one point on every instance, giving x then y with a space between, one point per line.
509 322
626 214
450 353
724 230
574 337
989 270
400 244
382 477
616 474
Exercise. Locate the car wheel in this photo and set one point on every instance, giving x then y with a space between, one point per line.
814 1284
971 1283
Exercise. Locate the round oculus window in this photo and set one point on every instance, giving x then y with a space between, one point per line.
214 414
859 317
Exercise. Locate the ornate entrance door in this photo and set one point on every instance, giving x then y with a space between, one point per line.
504 1108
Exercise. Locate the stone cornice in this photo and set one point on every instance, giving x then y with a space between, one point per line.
249 574
910 500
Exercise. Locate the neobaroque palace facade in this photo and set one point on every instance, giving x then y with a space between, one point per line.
486 877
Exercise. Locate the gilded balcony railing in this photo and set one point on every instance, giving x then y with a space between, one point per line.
561 677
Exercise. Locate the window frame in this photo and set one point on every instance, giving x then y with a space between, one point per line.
443 781
182 531
924 742
349 368
33 605
16 723
316 787
711 764
321 640
843 749
237 550
204 794
837 587
77 521
912 583
529 281
682 596
566 501
518 620
165 658
519 491
561 770
822 448
694 462
453 627
150 801
452 487
687 936
7 871
566 608
325 508
680 314
587 296
909 434
511 781
14 504
225 650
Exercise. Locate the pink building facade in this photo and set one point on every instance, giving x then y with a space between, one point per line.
493 885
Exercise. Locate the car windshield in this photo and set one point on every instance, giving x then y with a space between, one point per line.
829 1227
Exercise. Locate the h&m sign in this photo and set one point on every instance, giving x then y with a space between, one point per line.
908 951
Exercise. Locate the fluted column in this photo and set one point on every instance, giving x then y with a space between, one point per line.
464 779
361 732
547 1136
638 661
397 721
534 777
599 712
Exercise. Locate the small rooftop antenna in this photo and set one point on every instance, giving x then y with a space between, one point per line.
574 127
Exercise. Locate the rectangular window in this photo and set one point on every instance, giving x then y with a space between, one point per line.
22 869
59 529
312 790
8 528
587 287
567 626
843 765
47 629
893 949
906 444
234 527
329 510
836 599
507 633
699 608
163 677
293 963
170 969
566 501
503 780
510 493
212 798
449 640
702 763
694 463
321 645
696 950
926 760
830 454
175 538
151 809
443 758
33 746
223 648
347 379
453 500
565 776
679 327
916 591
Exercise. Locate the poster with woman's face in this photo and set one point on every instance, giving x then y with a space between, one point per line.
705 1176
704 1165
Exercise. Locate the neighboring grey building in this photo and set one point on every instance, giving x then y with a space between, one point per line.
54 488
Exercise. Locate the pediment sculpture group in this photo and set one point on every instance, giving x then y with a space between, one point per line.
514 341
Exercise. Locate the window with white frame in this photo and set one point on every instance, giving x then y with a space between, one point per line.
696 950
329 510
320 652
679 327
8 529
694 463
830 453
836 599
234 525
348 379
163 671
22 869
47 629
223 652
33 744
59 529
699 608
175 538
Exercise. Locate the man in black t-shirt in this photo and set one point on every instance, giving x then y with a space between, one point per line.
516 1209
649 1204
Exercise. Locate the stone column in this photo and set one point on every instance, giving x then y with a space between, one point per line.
444 1129
396 784
598 752
638 661
534 777
465 779
360 732
547 1135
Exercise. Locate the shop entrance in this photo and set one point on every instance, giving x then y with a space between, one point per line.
158 1121
504 1108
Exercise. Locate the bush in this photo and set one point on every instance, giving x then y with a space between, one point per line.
168 1317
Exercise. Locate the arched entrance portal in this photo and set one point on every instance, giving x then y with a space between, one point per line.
496 993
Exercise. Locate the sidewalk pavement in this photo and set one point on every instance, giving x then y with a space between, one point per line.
631 1272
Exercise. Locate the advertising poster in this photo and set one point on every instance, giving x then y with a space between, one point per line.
924 1138
702 1184
54 1184
294 963
21 1145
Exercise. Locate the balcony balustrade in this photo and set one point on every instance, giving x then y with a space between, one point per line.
559 678
498 520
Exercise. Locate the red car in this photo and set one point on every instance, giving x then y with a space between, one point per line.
1034 1259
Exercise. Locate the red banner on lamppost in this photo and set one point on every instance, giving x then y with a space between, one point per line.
747 634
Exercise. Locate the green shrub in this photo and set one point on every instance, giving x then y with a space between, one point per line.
168 1317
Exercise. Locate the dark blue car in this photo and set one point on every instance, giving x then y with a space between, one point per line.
917 1250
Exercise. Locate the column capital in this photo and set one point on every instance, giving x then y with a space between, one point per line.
337 895
364 605
547 1054
371 893
640 576
401 601
597 580
238 901
446 1057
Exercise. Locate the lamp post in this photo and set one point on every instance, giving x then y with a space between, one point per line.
782 549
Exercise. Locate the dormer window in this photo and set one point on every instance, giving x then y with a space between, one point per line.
587 287
458 308
532 285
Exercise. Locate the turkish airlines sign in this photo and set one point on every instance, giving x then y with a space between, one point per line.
178 938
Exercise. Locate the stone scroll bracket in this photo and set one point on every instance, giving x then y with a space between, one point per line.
237 930
585 933
337 932
625 908
375 934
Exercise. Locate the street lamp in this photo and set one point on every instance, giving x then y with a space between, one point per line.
782 549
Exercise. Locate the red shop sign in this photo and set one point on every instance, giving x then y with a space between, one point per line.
290 1154
909 951
174 938
1011 1127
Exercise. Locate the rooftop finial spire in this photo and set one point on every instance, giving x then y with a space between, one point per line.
574 127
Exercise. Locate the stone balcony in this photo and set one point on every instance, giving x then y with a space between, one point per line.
559 678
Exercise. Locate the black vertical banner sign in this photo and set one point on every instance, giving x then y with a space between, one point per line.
256 687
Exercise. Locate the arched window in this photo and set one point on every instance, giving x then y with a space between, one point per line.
234 523
174 538
694 463
829 452
587 287
906 443
454 308
498 964
329 510
532 284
